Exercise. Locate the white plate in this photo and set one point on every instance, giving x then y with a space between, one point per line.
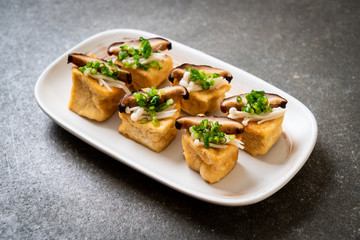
252 180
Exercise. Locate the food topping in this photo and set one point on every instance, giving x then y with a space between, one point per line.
179 71
263 117
153 104
199 77
142 57
195 80
157 45
240 101
107 76
211 131
174 92
228 126
255 106
82 60
256 103
106 72
208 134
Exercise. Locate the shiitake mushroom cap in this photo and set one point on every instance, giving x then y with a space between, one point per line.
179 71
81 60
157 44
229 126
174 92
274 101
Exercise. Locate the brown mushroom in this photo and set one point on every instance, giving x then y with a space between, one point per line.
174 92
179 71
229 126
274 101
157 45
81 60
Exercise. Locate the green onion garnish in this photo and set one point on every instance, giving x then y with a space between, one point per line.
200 77
209 132
151 102
238 99
256 103
97 67
145 51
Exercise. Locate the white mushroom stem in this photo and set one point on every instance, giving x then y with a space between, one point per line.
197 142
155 57
263 117
194 86
138 113
233 141
107 81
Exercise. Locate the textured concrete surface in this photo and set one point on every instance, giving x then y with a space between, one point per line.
53 185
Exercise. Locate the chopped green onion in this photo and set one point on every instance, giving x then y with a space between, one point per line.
209 132
256 103
125 46
144 51
203 79
93 71
170 102
231 137
129 65
239 99
155 122
122 55
82 69
151 102
145 47
143 121
96 67
155 63
132 51
142 66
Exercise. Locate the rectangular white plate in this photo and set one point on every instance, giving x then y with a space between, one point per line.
252 180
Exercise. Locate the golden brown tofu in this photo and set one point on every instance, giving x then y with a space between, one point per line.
205 101
89 99
152 77
259 138
157 138
212 164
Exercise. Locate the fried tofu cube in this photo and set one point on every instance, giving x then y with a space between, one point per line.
89 99
259 138
157 138
212 164
152 77
204 101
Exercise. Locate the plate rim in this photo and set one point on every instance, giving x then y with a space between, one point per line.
224 201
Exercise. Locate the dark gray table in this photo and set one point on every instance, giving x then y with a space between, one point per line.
53 185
